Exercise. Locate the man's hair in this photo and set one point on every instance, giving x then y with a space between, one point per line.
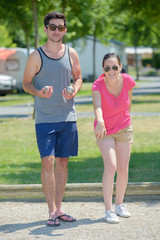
55 15
111 55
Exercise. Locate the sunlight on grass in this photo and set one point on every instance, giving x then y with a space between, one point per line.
20 161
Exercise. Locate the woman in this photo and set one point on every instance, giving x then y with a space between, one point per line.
112 100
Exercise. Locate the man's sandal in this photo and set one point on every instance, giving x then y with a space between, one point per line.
66 218
53 224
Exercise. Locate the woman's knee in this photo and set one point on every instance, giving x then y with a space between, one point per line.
122 171
110 168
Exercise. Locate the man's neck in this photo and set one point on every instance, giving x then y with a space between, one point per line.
54 46
54 50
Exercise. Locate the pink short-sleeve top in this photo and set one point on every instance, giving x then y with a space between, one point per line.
115 110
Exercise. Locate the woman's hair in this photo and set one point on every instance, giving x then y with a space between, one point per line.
111 55
55 15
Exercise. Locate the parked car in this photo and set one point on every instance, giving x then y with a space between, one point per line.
7 84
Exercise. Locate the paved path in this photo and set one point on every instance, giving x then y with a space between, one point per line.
26 220
147 87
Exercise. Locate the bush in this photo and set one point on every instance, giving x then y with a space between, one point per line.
156 61
146 61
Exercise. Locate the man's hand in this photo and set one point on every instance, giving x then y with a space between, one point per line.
67 95
46 92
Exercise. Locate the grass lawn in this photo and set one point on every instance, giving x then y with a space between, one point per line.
20 160
141 103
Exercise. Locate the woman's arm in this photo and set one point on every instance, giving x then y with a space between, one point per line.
100 129
130 92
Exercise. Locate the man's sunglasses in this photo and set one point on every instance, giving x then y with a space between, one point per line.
53 27
115 68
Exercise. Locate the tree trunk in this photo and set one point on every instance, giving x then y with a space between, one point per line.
36 33
27 42
35 23
136 60
94 58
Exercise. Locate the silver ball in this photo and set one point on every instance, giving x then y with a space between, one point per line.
45 89
70 89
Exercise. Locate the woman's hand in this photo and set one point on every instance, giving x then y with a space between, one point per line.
100 130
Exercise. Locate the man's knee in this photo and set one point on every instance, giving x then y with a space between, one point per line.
62 163
48 163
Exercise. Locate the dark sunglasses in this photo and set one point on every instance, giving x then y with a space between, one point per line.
53 27
115 68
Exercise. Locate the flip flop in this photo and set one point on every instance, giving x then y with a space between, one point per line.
66 220
54 224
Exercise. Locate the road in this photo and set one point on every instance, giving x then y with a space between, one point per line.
26 220
146 87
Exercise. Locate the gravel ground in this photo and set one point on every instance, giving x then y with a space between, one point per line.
26 220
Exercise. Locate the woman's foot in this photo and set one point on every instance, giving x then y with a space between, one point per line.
111 217
122 211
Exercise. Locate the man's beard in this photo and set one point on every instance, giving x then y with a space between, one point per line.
56 40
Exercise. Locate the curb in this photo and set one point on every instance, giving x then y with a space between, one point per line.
150 190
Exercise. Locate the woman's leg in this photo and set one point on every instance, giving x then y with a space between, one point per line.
123 151
107 149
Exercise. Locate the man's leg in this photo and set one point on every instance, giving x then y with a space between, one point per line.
48 184
61 175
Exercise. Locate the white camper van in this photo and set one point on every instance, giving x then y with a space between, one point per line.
12 65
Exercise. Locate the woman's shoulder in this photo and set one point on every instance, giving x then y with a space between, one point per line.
128 79
100 79
98 83
125 75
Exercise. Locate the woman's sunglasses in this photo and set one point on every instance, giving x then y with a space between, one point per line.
53 27
115 68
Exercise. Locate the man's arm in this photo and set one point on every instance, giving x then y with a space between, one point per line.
76 70
32 67
76 73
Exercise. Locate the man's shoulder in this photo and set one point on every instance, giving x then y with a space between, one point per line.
71 50
34 55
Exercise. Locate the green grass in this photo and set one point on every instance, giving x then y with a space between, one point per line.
16 99
141 103
20 161
86 89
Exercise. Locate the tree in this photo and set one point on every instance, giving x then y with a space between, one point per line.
34 9
5 39
19 16
94 22
135 21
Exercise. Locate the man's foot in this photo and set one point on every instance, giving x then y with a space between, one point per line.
111 217
122 211
66 218
54 222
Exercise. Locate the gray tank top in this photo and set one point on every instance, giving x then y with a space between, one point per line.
56 73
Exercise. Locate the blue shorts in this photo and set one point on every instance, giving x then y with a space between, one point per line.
58 139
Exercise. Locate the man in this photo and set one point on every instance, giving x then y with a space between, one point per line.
55 119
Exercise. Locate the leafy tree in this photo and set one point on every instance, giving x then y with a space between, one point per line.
134 23
99 22
19 16
77 16
5 39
